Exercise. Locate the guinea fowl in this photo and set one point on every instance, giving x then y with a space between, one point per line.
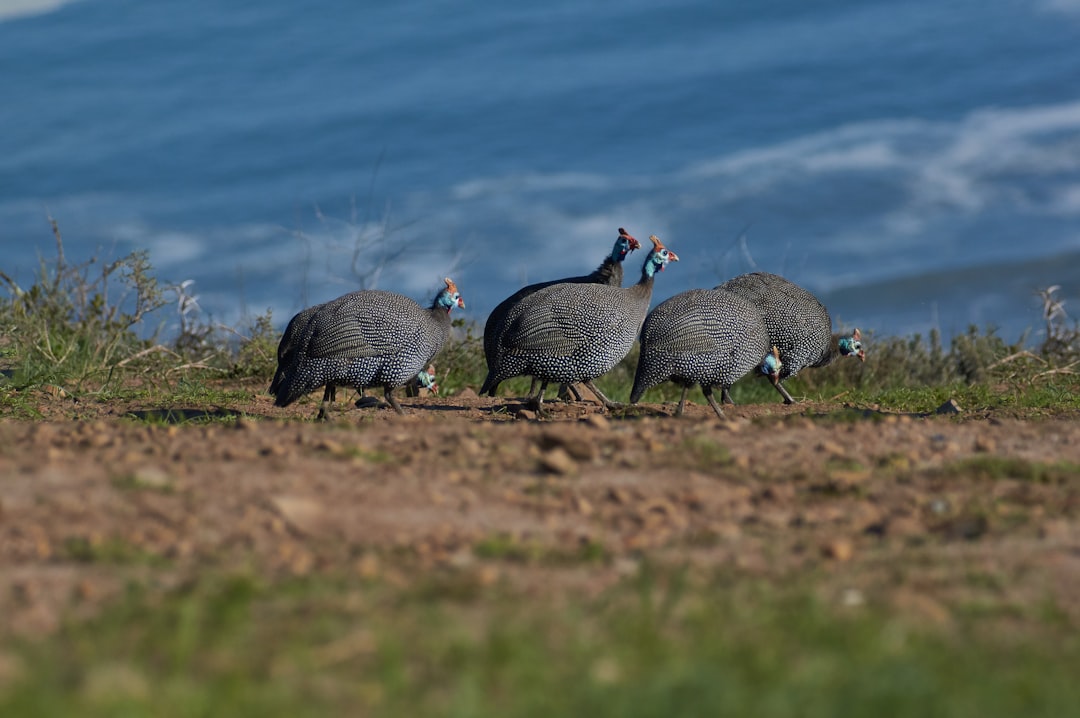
798 325
575 332
610 272
365 338
704 336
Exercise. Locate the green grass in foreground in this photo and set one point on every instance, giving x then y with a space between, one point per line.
649 647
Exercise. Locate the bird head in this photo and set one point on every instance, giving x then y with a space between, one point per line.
449 297
659 256
852 345
771 366
624 245
427 379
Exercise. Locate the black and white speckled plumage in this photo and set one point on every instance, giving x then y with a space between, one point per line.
798 324
575 332
704 336
610 273
365 338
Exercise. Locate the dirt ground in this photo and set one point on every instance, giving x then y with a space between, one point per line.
867 506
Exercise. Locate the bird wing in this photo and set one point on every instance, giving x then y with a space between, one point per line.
684 334
553 321
349 331
543 334
685 323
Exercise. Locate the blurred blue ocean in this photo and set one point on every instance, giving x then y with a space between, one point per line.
916 163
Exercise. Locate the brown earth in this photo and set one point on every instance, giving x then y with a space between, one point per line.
866 506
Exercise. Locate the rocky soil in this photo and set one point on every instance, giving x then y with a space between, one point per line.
926 514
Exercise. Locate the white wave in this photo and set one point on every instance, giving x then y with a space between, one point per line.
930 173
11 9
167 248
945 165
849 147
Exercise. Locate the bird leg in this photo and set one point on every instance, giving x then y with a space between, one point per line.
725 397
569 392
328 398
388 392
535 395
608 403
492 388
536 401
682 401
706 389
784 393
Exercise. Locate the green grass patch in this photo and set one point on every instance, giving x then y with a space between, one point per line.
110 552
17 403
96 324
506 547
651 646
372 456
144 480
1002 467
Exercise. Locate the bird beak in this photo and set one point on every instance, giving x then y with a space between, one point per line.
634 244
461 302
674 257
862 355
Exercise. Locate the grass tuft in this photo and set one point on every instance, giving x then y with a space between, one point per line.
1005 467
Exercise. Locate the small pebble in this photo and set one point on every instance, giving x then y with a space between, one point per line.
598 421
557 461
838 549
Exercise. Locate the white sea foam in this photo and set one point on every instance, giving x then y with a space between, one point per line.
848 147
167 248
11 9
946 167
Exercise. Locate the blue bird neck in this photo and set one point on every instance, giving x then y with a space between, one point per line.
443 303
649 269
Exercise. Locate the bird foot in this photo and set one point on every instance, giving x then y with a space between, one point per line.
538 407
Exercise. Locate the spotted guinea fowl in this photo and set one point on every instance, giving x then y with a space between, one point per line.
575 332
610 272
704 336
798 324
366 338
